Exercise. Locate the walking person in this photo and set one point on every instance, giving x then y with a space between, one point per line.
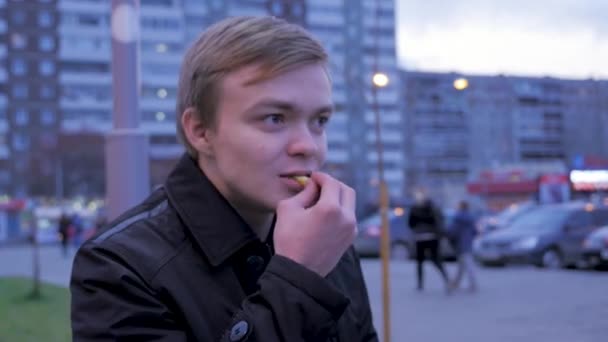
462 232
426 222
63 228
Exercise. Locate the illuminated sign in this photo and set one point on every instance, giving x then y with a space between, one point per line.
589 180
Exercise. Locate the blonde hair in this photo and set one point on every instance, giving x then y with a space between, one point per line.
272 44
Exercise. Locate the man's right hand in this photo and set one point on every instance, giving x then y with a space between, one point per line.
315 227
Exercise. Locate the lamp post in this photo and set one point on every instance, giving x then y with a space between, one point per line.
380 80
127 160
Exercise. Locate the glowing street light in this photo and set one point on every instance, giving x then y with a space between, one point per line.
461 83
380 80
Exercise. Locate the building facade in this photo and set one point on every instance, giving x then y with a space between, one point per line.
78 45
452 135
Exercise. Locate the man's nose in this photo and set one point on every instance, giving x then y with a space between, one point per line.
303 142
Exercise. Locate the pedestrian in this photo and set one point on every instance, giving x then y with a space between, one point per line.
425 221
76 230
63 228
247 240
462 230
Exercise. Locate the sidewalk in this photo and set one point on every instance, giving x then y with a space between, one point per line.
17 260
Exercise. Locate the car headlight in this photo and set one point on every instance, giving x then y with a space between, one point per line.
526 243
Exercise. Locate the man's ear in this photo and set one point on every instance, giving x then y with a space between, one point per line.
196 132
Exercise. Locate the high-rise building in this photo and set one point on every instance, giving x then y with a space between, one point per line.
494 121
81 65
437 132
5 150
29 119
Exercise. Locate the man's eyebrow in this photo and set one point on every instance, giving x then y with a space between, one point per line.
287 106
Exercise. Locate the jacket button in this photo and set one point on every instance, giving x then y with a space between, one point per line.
239 330
255 263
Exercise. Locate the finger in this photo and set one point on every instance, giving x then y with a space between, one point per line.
349 199
330 189
306 197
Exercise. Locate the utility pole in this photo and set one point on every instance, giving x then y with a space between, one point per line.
127 158
380 80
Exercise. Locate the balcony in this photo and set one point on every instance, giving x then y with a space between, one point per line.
166 151
85 78
85 103
101 7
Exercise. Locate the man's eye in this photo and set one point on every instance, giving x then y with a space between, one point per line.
322 120
274 119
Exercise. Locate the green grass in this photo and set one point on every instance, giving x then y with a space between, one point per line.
26 319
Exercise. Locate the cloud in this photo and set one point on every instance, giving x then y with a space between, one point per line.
564 38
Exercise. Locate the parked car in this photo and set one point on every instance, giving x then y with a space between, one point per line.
402 244
595 248
504 218
548 236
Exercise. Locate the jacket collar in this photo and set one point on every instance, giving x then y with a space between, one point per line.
215 225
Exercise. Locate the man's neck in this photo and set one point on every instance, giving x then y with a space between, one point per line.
260 222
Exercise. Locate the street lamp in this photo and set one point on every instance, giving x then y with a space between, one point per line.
380 80
127 158
461 83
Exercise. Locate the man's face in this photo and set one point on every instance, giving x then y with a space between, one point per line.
268 131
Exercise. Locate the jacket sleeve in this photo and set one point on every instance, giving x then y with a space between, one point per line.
368 330
293 304
111 302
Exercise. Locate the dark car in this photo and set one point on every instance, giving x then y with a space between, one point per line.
402 244
504 218
595 248
548 236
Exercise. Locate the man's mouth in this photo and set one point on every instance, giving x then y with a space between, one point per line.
302 180
302 177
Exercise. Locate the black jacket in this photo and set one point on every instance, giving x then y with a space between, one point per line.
426 219
183 266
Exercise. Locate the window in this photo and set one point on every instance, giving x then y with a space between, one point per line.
18 17
18 67
46 68
579 220
297 10
47 117
20 91
18 40
160 23
86 67
47 92
20 141
45 19
89 20
277 8
48 140
163 3
600 217
21 117
46 43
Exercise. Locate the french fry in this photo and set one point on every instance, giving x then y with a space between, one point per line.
302 180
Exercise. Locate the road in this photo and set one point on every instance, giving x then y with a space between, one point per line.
522 304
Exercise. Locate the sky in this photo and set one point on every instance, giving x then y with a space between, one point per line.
558 38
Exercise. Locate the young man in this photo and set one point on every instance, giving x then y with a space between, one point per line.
463 232
234 247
